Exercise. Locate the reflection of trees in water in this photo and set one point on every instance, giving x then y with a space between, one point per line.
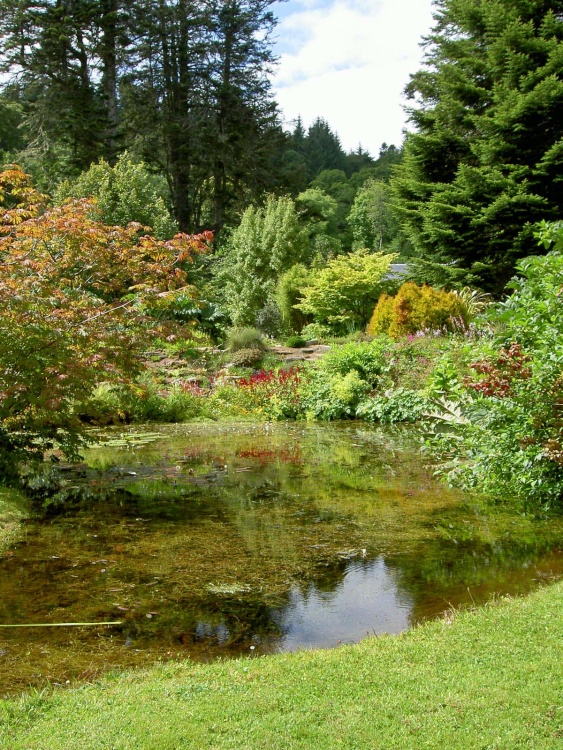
443 573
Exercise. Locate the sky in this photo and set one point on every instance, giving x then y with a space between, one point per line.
348 62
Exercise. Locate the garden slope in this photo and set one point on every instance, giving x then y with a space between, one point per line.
488 679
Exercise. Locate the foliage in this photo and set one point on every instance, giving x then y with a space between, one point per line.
288 294
267 242
184 85
296 342
11 137
125 192
510 440
246 357
72 294
366 358
139 402
484 162
332 396
343 293
318 211
268 395
416 308
370 216
245 338
400 405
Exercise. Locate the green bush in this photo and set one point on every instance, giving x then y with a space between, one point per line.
418 308
296 342
509 439
332 396
343 293
140 403
245 338
365 358
124 193
401 405
288 294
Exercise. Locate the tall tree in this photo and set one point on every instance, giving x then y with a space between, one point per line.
323 149
244 112
62 56
484 162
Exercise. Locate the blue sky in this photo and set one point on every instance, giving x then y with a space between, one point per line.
348 61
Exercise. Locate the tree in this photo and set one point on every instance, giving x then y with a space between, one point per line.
322 148
11 136
344 293
370 216
267 242
245 118
198 105
485 160
63 59
74 295
124 193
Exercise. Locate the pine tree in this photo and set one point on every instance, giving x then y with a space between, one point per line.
484 162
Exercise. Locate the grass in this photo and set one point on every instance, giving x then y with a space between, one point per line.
492 678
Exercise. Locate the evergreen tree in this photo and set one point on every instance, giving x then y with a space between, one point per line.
322 149
63 58
485 160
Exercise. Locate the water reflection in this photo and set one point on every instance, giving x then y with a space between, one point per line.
366 602
224 540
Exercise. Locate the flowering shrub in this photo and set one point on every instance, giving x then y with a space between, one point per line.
266 394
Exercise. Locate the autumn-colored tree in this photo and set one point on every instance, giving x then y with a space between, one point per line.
73 300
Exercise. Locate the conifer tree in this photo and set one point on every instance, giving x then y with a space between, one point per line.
485 160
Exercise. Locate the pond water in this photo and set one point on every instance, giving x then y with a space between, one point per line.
216 540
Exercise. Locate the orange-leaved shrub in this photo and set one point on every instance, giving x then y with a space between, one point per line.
418 308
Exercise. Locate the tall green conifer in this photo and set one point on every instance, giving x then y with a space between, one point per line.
485 160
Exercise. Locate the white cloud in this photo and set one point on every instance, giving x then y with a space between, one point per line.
348 62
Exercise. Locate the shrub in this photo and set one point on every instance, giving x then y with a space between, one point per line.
416 308
264 395
124 193
246 338
296 342
342 294
509 440
365 358
246 357
332 396
401 405
288 294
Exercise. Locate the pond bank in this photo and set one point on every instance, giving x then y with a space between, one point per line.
488 678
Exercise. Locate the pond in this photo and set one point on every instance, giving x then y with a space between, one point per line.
210 540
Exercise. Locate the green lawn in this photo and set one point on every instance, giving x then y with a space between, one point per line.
488 679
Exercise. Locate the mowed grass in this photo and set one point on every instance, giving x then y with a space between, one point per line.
492 678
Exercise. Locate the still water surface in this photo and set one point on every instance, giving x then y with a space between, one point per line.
228 540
